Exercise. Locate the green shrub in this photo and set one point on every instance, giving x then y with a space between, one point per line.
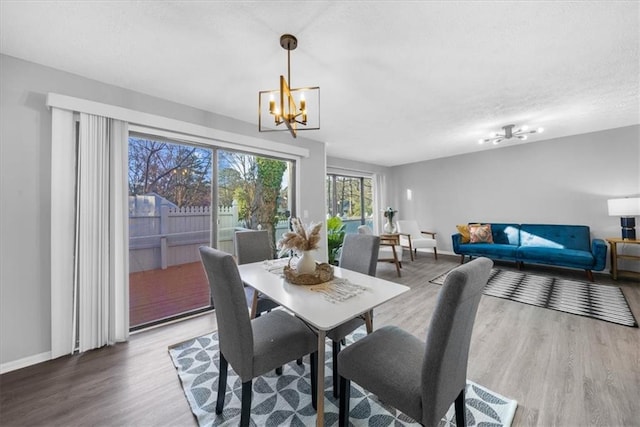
335 237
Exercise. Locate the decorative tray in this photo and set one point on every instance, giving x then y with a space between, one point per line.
323 273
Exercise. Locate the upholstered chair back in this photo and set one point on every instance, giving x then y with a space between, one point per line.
444 369
234 326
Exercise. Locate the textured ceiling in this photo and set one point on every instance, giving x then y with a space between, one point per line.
401 81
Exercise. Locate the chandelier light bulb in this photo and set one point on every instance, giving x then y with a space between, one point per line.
525 128
540 130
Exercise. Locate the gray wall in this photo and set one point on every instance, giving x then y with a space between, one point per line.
25 192
558 181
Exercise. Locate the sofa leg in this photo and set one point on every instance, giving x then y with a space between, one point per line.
590 275
519 264
435 253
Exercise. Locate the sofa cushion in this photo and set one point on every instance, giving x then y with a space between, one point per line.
480 233
556 256
463 229
490 250
556 236
505 233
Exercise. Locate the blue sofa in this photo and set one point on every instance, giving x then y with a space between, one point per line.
558 245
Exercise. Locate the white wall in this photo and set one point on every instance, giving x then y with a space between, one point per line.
558 181
25 194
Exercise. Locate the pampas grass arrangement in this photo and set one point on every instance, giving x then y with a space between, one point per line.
301 238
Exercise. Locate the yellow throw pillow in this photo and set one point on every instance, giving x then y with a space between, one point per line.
480 233
463 229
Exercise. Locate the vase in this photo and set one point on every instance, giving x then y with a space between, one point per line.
389 227
306 264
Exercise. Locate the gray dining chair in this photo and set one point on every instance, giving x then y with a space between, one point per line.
419 378
254 246
252 346
390 249
359 253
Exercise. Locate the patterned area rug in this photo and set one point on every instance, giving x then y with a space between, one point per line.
606 303
285 400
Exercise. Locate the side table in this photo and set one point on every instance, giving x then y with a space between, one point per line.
391 240
615 256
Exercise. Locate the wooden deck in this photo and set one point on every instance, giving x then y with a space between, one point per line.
161 294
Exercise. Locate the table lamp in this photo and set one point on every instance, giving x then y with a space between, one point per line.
627 209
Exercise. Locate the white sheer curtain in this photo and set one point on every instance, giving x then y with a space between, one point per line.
379 201
101 260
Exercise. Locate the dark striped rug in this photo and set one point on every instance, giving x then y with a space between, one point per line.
601 302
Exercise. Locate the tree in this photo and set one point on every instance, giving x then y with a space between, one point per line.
177 172
258 189
267 193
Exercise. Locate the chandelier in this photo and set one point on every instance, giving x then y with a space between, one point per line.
287 108
520 133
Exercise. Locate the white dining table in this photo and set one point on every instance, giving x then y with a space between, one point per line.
316 309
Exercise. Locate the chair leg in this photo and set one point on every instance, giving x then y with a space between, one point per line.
462 259
334 357
345 395
435 253
222 384
314 379
245 412
460 410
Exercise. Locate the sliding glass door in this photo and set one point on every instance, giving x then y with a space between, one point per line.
181 196
170 216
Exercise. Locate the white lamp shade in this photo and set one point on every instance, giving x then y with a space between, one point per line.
629 206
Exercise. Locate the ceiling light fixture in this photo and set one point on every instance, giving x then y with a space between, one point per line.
296 108
509 133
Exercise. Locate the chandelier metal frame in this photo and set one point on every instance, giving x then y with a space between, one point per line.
291 107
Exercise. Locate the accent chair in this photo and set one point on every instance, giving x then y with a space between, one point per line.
412 238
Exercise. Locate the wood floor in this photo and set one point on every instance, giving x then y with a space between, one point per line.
563 370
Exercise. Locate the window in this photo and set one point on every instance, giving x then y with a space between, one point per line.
350 198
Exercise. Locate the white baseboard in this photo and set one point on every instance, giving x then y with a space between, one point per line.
24 362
